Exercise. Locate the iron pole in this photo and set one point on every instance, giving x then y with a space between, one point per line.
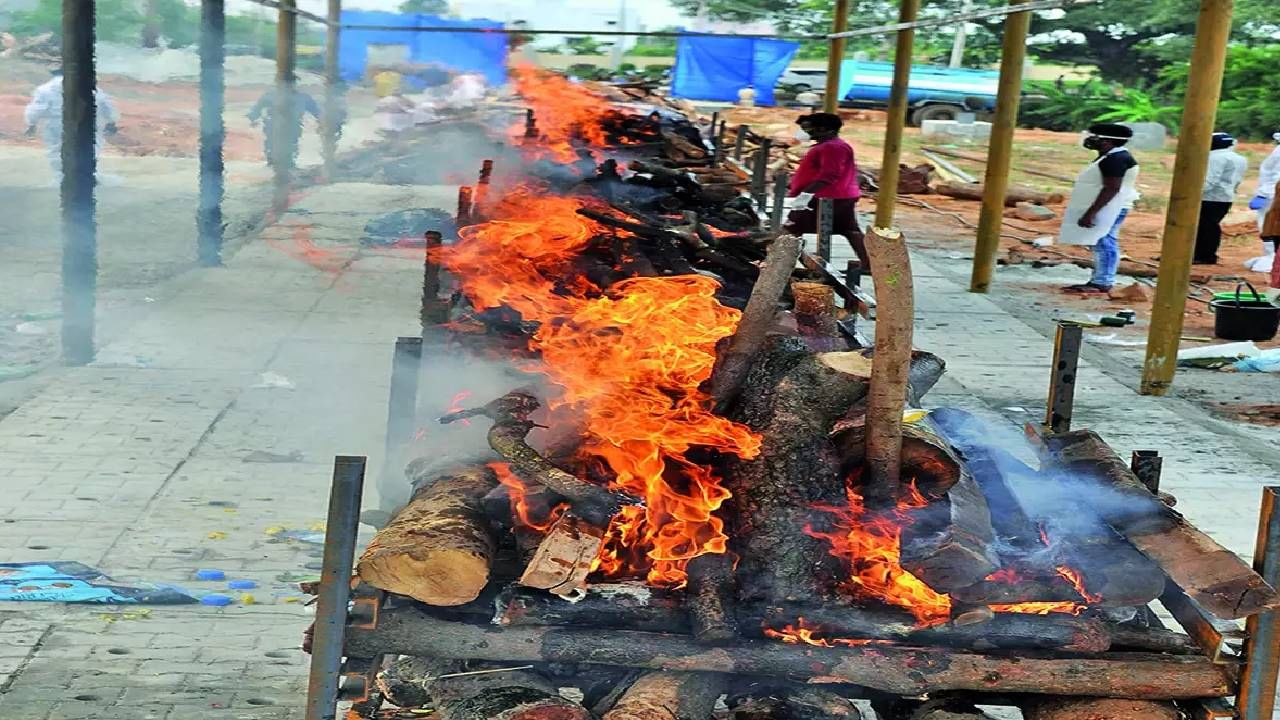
284 119
341 528
1257 697
1200 109
1000 152
79 175
402 412
835 57
212 132
332 116
888 193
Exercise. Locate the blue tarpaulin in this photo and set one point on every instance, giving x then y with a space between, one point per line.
716 68
463 52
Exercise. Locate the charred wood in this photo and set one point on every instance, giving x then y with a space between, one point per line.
766 700
669 696
617 605
1098 709
457 691
564 557
1081 458
438 549
712 591
949 543
892 669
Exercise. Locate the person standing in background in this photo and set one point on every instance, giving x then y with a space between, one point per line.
1263 198
1271 236
45 112
828 170
264 110
1226 171
1101 198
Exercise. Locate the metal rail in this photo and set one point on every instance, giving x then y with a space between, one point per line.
1062 384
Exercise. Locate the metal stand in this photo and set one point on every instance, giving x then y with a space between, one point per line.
1257 696
402 408
1062 384
1147 464
826 220
740 142
465 202
341 529
781 182
759 173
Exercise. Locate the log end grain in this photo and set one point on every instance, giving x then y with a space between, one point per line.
1098 709
436 576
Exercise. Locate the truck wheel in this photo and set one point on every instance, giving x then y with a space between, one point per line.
936 112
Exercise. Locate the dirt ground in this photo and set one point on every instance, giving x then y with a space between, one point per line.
1057 153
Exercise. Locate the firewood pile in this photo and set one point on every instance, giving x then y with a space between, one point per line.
677 520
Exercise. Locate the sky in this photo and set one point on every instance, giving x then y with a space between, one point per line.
544 14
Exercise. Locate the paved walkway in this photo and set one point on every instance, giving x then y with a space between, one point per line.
147 464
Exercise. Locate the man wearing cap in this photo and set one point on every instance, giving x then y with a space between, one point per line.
1101 198
44 112
828 170
1226 171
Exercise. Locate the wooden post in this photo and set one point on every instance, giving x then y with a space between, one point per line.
284 128
1189 168
213 23
79 176
991 219
835 57
332 90
888 194
740 142
826 220
1257 697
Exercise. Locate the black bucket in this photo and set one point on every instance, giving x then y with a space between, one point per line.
1241 319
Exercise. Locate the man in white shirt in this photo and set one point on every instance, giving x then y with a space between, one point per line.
1268 176
44 112
1226 171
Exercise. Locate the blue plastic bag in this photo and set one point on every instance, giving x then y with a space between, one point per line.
1258 202
1267 362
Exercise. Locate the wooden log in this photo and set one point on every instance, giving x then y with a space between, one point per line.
564 557
1213 576
439 548
669 696
733 363
712 591
796 398
887 250
474 694
889 668
770 700
1098 709
815 313
983 159
1015 194
632 606
1085 461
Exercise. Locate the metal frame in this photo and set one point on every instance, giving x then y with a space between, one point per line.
402 404
826 220
759 173
1257 696
1062 383
781 182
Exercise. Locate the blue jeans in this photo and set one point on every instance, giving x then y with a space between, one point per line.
1106 255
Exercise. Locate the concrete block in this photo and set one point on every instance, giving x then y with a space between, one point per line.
951 131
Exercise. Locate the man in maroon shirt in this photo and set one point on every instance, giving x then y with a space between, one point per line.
828 170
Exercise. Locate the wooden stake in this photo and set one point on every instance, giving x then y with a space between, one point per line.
889 171
891 365
1012 54
283 129
1200 109
332 107
835 57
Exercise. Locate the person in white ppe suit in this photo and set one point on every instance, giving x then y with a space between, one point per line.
1103 194
44 112
1268 176
1225 173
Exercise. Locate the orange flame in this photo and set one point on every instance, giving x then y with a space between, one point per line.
1074 577
564 112
803 633
871 544
455 405
1005 576
627 362
1040 608
518 496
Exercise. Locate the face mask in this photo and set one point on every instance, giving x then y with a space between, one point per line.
1091 142
802 136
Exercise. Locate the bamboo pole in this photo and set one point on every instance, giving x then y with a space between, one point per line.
79 176
1000 153
888 194
332 117
284 130
835 57
1213 28
213 132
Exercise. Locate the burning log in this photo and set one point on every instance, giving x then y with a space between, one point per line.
616 605
1098 709
1081 457
1013 196
1213 576
712 591
892 669
734 361
439 548
669 696
797 396
949 542
815 313
510 414
887 250
564 558
457 692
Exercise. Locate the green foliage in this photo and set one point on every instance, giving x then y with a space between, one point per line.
425 7
117 20
1250 104
655 46
585 45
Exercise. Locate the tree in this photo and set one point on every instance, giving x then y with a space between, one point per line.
425 7
585 45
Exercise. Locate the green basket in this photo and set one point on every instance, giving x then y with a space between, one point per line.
1245 296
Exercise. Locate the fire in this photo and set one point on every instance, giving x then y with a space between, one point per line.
803 633
564 112
518 495
627 362
1077 581
1040 608
1005 576
455 405
871 545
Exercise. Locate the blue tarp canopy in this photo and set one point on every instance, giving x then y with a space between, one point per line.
463 52
716 68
